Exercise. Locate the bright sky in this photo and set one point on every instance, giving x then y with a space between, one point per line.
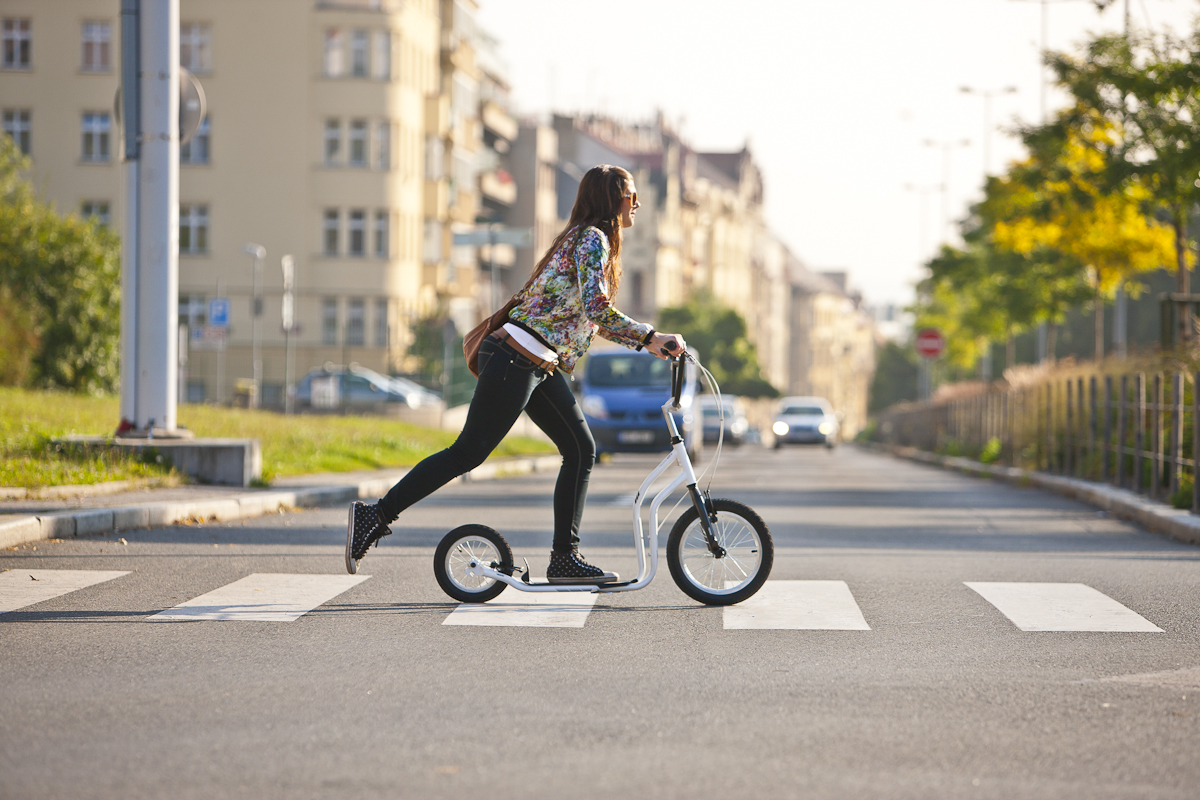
836 97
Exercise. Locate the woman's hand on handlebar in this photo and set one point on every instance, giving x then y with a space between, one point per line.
667 345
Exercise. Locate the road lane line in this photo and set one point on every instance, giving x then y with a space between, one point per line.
262 597
798 606
24 587
1061 607
527 610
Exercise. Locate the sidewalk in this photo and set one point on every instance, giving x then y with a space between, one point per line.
120 506
1150 514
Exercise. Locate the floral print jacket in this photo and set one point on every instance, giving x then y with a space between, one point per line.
568 303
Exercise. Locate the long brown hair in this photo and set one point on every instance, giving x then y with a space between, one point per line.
598 205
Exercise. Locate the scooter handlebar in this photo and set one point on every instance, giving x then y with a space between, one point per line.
676 381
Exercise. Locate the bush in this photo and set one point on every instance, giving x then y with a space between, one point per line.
991 451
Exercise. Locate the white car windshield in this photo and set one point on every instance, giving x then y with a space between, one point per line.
804 411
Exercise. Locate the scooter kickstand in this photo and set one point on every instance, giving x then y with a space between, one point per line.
525 574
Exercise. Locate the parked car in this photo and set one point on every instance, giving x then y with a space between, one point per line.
735 423
334 387
805 420
622 394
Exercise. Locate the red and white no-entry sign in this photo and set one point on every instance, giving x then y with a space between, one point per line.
930 343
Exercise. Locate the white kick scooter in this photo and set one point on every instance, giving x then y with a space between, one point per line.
719 551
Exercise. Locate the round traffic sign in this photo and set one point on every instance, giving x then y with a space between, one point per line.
930 343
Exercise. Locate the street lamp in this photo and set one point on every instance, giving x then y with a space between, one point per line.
946 147
987 94
258 253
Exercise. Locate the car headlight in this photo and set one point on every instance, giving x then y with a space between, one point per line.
593 405
780 428
825 428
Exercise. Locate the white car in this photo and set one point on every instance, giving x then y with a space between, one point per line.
805 420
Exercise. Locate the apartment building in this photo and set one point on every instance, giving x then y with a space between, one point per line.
832 352
313 146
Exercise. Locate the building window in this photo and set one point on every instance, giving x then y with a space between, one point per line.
18 43
16 125
195 47
383 135
358 142
330 231
334 66
95 210
97 47
333 140
95 137
193 229
357 243
196 150
358 54
381 234
383 55
432 241
381 322
329 320
356 322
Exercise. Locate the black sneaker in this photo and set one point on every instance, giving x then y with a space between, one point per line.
571 568
363 529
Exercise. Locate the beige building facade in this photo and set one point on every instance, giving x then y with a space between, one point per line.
313 146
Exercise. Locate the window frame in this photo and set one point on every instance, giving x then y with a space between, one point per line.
333 56
331 232
356 322
95 129
187 152
16 35
360 53
356 232
332 135
21 123
380 234
329 321
101 46
197 37
357 144
194 218
382 322
99 210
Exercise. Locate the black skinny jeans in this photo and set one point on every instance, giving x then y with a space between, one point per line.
508 384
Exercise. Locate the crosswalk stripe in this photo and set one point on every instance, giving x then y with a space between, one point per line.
262 597
527 610
798 606
24 587
1061 607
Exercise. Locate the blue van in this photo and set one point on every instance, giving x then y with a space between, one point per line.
622 394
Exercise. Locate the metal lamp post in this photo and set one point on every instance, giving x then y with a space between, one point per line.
946 147
288 310
258 253
987 94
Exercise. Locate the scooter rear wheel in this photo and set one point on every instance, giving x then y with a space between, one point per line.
466 545
734 575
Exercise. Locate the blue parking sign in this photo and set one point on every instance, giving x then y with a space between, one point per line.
218 311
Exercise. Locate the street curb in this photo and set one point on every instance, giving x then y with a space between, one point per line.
1176 523
85 522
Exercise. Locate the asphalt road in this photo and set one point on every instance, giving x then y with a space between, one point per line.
370 695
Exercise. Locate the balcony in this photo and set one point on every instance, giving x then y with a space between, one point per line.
498 187
498 121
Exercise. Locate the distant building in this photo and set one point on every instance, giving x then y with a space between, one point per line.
313 146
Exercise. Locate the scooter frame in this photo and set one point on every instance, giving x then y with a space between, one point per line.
643 539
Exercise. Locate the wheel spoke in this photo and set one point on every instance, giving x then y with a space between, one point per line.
742 548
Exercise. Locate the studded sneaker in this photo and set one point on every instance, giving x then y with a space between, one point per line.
570 567
363 529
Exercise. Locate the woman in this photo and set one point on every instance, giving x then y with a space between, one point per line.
521 368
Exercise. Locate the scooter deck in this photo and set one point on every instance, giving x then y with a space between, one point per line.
568 586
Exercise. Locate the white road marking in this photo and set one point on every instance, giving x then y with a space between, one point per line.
263 597
1061 607
518 609
798 606
24 587
623 500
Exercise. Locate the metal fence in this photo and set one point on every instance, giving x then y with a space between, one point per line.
1135 431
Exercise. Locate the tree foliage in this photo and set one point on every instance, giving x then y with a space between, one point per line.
718 333
63 276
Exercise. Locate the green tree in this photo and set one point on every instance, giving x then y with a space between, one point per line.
66 273
895 378
1147 91
718 333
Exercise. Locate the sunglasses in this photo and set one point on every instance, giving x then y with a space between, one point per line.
634 196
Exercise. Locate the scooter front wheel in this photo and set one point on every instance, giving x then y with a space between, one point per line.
739 568
457 554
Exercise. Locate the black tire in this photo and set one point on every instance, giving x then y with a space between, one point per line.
456 550
749 554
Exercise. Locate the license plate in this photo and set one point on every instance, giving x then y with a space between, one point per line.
635 437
